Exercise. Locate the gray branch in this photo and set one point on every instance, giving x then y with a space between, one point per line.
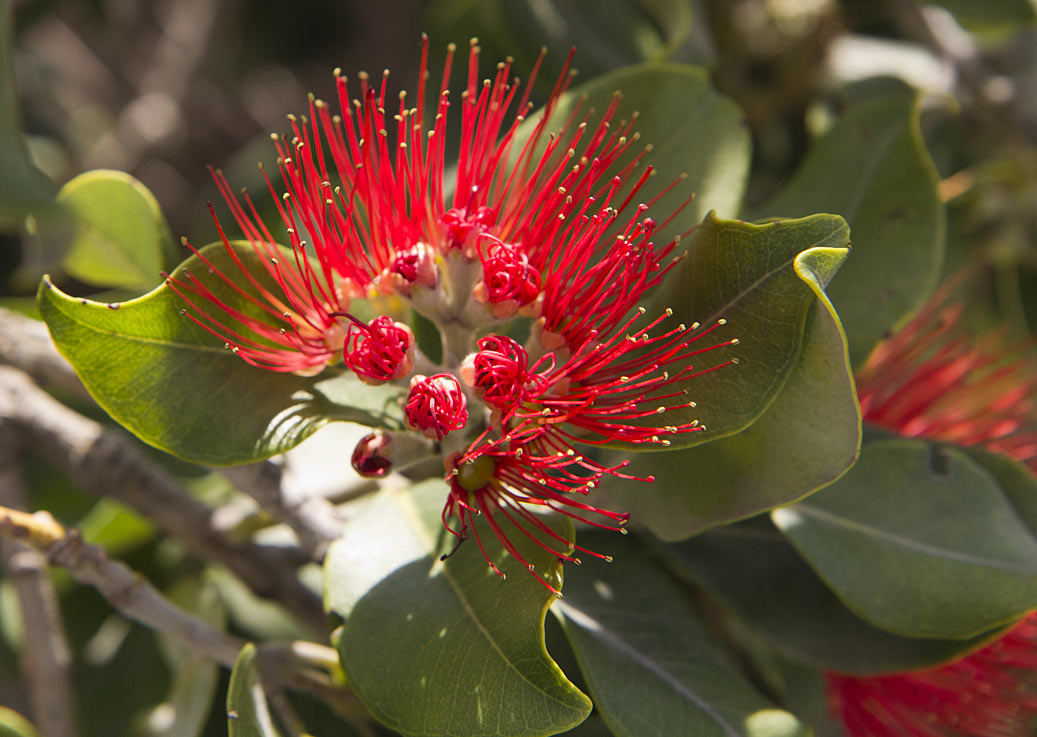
107 463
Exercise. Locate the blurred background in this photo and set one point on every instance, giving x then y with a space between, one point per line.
163 89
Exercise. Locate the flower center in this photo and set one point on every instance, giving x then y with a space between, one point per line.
477 474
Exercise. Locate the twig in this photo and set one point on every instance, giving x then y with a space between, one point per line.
26 345
313 518
45 658
128 592
107 463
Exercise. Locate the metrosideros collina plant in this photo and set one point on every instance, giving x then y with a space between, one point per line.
500 321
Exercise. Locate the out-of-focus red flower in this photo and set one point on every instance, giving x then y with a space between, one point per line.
934 380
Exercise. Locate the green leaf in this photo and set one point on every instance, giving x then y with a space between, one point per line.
693 131
756 572
994 12
793 355
120 236
248 714
175 386
447 648
919 540
1016 481
873 169
649 663
22 188
13 724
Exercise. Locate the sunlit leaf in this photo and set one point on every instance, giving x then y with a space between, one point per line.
176 387
120 236
447 648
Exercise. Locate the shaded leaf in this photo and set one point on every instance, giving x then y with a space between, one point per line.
175 386
1015 480
693 131
22 188
754 570
872 168
120 235
248 714
446 648
905 540
648 661
809 433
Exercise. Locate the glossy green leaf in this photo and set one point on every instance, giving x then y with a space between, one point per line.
791 346
248 714
873 169
919 540
1010 12
693 131
447 648
22 188
176 387
120 235
649 663
756 572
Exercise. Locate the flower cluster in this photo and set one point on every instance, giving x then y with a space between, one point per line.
535 224
933 380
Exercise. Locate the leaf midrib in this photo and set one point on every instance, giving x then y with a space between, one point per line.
907 542
585 621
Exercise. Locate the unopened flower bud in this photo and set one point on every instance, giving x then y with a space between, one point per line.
370 458
509 281
436 405
380 351
411 267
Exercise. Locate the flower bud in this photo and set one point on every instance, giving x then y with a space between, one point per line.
370 457
436 405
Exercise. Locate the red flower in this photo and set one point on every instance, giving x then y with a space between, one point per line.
989 693
547 227
932 380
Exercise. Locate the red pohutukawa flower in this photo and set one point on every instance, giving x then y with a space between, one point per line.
540 224
933 380
989 693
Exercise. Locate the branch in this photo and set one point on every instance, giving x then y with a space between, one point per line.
127 591
107 463
44 655
313 518
26 345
